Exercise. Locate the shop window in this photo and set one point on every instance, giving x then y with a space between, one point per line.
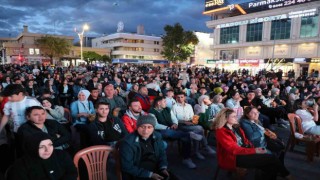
254 32
309 26
229 54
280 29
229 35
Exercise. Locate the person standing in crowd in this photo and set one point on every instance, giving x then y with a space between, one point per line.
235 150
131 116
42 161
142 153
106 130
17 103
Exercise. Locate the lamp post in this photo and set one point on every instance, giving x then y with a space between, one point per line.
84 28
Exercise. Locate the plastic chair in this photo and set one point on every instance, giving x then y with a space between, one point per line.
95 159
312 142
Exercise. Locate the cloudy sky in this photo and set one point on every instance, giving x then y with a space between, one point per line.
62 16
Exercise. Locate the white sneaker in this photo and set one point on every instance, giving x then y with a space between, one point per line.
195 136
199 156
209 150
188 162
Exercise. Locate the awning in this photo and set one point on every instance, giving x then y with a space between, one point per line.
140 61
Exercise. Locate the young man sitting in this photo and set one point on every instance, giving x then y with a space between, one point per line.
105 130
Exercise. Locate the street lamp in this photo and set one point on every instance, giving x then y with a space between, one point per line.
85 27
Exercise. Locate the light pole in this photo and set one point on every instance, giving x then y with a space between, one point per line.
84 28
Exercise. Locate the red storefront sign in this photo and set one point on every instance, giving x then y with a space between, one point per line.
249 62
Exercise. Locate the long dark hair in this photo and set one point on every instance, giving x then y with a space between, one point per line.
297 104
50 100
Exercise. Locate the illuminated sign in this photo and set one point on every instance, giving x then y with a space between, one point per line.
249 6
249 62
212 61
214 3
315 60
304 13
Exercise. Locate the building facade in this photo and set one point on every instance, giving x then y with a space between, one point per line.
22 49
132 48
281 34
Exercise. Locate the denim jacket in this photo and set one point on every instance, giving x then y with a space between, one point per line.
254 134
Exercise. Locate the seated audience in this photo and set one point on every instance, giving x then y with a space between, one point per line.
37 122
184 113
142 153
235 150
54 112
105 130
42 161
131 116
308 120
167 125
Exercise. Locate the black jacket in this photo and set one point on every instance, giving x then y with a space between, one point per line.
110 131
58 167
53 127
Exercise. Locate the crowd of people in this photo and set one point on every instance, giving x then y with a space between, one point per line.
139 109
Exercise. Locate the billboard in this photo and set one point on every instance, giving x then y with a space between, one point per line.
249 6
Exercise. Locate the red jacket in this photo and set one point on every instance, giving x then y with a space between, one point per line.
129 121
227 148
144 101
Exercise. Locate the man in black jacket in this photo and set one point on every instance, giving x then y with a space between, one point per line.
37 122
106 130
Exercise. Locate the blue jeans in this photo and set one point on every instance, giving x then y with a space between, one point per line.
184 137
197 129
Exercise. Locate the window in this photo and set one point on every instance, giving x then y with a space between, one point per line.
280 29
229 35
254 32
309 26
229 54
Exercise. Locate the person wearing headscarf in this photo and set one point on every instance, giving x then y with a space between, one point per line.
42 161
81 111
82 108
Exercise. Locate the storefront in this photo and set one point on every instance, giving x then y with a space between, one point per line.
139 61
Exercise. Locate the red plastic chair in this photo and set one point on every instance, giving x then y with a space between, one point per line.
95 158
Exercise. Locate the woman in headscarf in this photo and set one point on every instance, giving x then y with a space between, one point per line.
81 111
42 161
82 108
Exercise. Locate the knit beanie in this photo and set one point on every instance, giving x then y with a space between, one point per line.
146 119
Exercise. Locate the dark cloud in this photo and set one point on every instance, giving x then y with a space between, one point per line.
61 17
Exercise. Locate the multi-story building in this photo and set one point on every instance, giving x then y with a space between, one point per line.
22 49
202 51
132 47
271 34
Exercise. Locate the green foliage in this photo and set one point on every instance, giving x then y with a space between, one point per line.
106 59
90 56
53 47
178 44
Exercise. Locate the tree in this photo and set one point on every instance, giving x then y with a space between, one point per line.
106 59
53 47
90 56
178 44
